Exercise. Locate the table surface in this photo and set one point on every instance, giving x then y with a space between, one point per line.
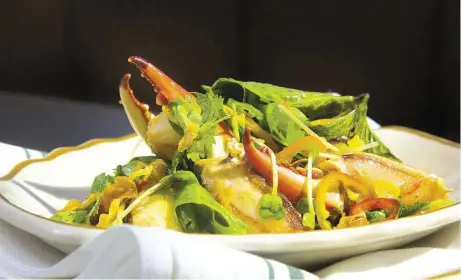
47 123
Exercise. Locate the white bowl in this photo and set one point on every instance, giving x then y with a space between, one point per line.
34 189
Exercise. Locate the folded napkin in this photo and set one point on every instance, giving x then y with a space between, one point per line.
133 252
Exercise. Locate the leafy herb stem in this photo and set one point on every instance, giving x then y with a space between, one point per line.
271 205
139 199
309 217
234 120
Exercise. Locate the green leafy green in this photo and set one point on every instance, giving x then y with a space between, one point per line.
126 169
376 215
178 160
212 109
285 129
409 210
79 216
363 130
252 112
204 116
82 216
72 217
118 171
314 105
197 211
201 148
195 208
340 115
185 112
99 183
302 206
95 209
335 127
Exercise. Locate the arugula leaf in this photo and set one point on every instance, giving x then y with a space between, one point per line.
285 129
334 128
338 126
339 115
408 210
363 130
118 171
315 105
195 208
197 211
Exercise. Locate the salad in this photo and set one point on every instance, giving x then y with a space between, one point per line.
247 157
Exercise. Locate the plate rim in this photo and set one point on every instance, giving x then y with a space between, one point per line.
288 239
92 142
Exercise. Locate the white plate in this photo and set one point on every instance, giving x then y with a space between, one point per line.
34 189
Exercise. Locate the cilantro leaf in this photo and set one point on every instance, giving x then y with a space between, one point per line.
198 122
99 183
185 112
212 109
95 209
72 217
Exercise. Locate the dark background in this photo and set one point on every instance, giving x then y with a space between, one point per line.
404 53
